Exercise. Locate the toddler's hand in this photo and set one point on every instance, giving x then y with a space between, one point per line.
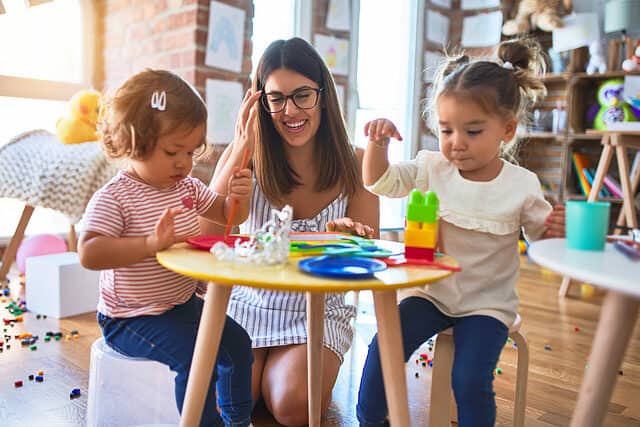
555 223
240 184
380 131
164 234
347 225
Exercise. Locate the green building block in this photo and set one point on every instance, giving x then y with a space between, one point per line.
422 207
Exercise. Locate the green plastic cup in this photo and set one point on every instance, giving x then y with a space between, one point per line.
587 224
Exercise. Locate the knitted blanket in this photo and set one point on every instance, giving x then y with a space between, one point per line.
36 168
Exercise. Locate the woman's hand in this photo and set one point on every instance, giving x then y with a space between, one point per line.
244 137
347 225
555 223
380 131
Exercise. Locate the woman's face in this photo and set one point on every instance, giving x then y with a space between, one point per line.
297 126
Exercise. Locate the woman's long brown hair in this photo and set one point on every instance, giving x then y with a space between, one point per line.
333 152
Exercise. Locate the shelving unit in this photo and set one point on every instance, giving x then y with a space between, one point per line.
549 154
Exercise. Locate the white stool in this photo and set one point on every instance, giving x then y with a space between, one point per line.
442 409
125 391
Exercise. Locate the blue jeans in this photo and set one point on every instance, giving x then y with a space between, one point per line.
478 341
170 338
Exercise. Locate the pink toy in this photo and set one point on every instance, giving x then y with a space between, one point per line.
40 244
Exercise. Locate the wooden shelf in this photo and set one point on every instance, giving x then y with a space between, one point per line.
607 75
584 136
556 77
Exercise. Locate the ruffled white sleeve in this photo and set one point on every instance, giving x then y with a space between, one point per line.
534 212
400 178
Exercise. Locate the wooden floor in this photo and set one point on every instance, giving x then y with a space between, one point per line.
554 374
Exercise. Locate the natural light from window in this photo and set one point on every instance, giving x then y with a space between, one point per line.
41 42
272 20
383 83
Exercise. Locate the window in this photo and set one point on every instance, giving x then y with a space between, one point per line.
46 55
385 82
272 20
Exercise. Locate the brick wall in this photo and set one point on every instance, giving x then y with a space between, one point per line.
168 34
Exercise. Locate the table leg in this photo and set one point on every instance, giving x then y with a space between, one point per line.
393 371
12 248
73 239
603 167
205 352
625 182
315 327
617 320
635 183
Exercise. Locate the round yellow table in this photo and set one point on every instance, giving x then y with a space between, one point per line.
221 275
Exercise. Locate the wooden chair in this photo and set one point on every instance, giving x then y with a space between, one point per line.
443 410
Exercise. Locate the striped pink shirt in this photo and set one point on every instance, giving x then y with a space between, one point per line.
126 207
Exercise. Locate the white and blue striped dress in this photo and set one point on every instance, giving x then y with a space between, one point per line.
278 318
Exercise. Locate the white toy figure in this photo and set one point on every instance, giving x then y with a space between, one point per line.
597 63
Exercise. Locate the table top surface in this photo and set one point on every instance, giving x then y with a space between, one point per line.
608 269
184 259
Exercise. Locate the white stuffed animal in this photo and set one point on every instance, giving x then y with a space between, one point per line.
597 63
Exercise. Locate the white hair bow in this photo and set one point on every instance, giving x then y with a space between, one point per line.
159 100
508 65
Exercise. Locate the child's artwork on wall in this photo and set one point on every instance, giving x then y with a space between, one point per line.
339 15
335 53
225 41
479 4
437 27
223 102
432 61
482 30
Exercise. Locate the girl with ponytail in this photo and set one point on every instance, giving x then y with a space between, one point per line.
484 202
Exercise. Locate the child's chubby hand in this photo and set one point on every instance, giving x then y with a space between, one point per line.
347 225
380 131
164 234
240 183
555 223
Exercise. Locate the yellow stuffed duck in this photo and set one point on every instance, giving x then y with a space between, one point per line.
79 124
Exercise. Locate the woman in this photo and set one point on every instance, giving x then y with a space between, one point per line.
291 124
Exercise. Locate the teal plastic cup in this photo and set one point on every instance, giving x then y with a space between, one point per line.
587 224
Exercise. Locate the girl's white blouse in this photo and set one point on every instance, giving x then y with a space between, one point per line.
480 224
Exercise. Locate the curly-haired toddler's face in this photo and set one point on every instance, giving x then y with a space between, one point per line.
172 158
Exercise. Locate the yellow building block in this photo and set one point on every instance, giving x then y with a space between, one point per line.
420 238
413 225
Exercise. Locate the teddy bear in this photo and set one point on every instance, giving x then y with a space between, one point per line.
531 14
633 63
79 124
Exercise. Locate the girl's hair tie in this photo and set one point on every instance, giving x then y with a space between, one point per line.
508 65
159 101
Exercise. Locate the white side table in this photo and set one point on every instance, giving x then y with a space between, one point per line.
620 276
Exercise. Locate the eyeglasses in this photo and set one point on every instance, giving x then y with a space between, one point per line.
304 98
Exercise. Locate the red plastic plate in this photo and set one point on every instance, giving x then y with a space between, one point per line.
206 242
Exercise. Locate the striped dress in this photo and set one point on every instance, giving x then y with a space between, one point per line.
278 318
